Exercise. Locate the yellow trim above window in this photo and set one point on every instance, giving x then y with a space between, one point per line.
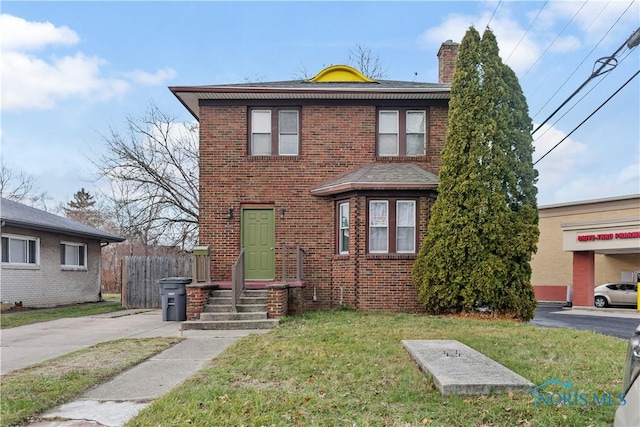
341 73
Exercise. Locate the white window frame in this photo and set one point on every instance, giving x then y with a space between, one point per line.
80 246
296 133
424 132
401 132
26 239
396 153
274 130
255 128
413 226
343 228
375 222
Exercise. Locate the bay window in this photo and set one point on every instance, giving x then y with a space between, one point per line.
392 226
343 228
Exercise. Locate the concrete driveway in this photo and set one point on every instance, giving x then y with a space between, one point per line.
27 345
118 400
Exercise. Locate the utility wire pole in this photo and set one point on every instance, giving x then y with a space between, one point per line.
611 61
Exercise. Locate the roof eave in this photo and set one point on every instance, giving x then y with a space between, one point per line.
37 227
189 96
371 186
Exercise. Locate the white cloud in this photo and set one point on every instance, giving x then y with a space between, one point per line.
31 81
506 29
568 172
19 34
595 18
563 161
145 78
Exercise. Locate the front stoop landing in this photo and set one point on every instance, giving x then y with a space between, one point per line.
218 314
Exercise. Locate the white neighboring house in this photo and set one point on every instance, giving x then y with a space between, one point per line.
48 260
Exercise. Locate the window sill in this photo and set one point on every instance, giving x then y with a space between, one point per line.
276 157
72 268
401 159
390 256
341 257
20 266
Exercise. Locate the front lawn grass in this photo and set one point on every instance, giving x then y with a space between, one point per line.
344 368
27 316
30 391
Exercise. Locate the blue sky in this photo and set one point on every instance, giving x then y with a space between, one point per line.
71 70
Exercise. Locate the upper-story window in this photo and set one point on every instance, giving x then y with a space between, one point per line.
402 132
73 255
20 250
275 132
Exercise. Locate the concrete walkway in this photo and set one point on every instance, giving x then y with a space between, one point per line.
117 401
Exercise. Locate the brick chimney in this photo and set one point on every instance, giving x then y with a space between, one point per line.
447 61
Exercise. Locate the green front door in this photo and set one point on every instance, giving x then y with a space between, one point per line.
258 237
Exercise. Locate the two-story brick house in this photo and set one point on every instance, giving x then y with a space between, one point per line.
343 166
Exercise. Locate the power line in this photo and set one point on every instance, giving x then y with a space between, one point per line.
556 39
583 97
586 57
588 117
527 30
494 13
605 61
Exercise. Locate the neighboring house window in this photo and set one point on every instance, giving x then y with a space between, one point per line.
73 255
343 228
275 131
392 226
20 250
402 132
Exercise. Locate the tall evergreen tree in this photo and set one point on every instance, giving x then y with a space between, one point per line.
82 209
484 224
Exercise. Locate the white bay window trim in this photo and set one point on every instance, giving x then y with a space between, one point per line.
378 226
405 226
343 228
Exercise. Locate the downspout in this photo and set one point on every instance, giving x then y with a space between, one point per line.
102 245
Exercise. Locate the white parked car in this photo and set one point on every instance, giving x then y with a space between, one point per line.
628 415
618 293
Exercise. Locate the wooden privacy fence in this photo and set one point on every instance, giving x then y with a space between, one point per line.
140 277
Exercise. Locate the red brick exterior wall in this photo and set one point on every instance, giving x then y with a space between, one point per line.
551 293
583 278
197 297
335 139
277 301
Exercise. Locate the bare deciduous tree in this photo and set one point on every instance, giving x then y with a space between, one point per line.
362 58
16 185
153 169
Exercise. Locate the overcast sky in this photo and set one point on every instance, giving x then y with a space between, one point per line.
71 70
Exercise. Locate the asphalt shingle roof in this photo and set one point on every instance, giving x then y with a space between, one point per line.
16 214
380 176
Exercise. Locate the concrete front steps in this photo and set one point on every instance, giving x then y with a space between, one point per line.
218 314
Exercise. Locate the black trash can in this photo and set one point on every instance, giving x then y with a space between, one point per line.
174 298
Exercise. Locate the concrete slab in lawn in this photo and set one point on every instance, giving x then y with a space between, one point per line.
459 369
